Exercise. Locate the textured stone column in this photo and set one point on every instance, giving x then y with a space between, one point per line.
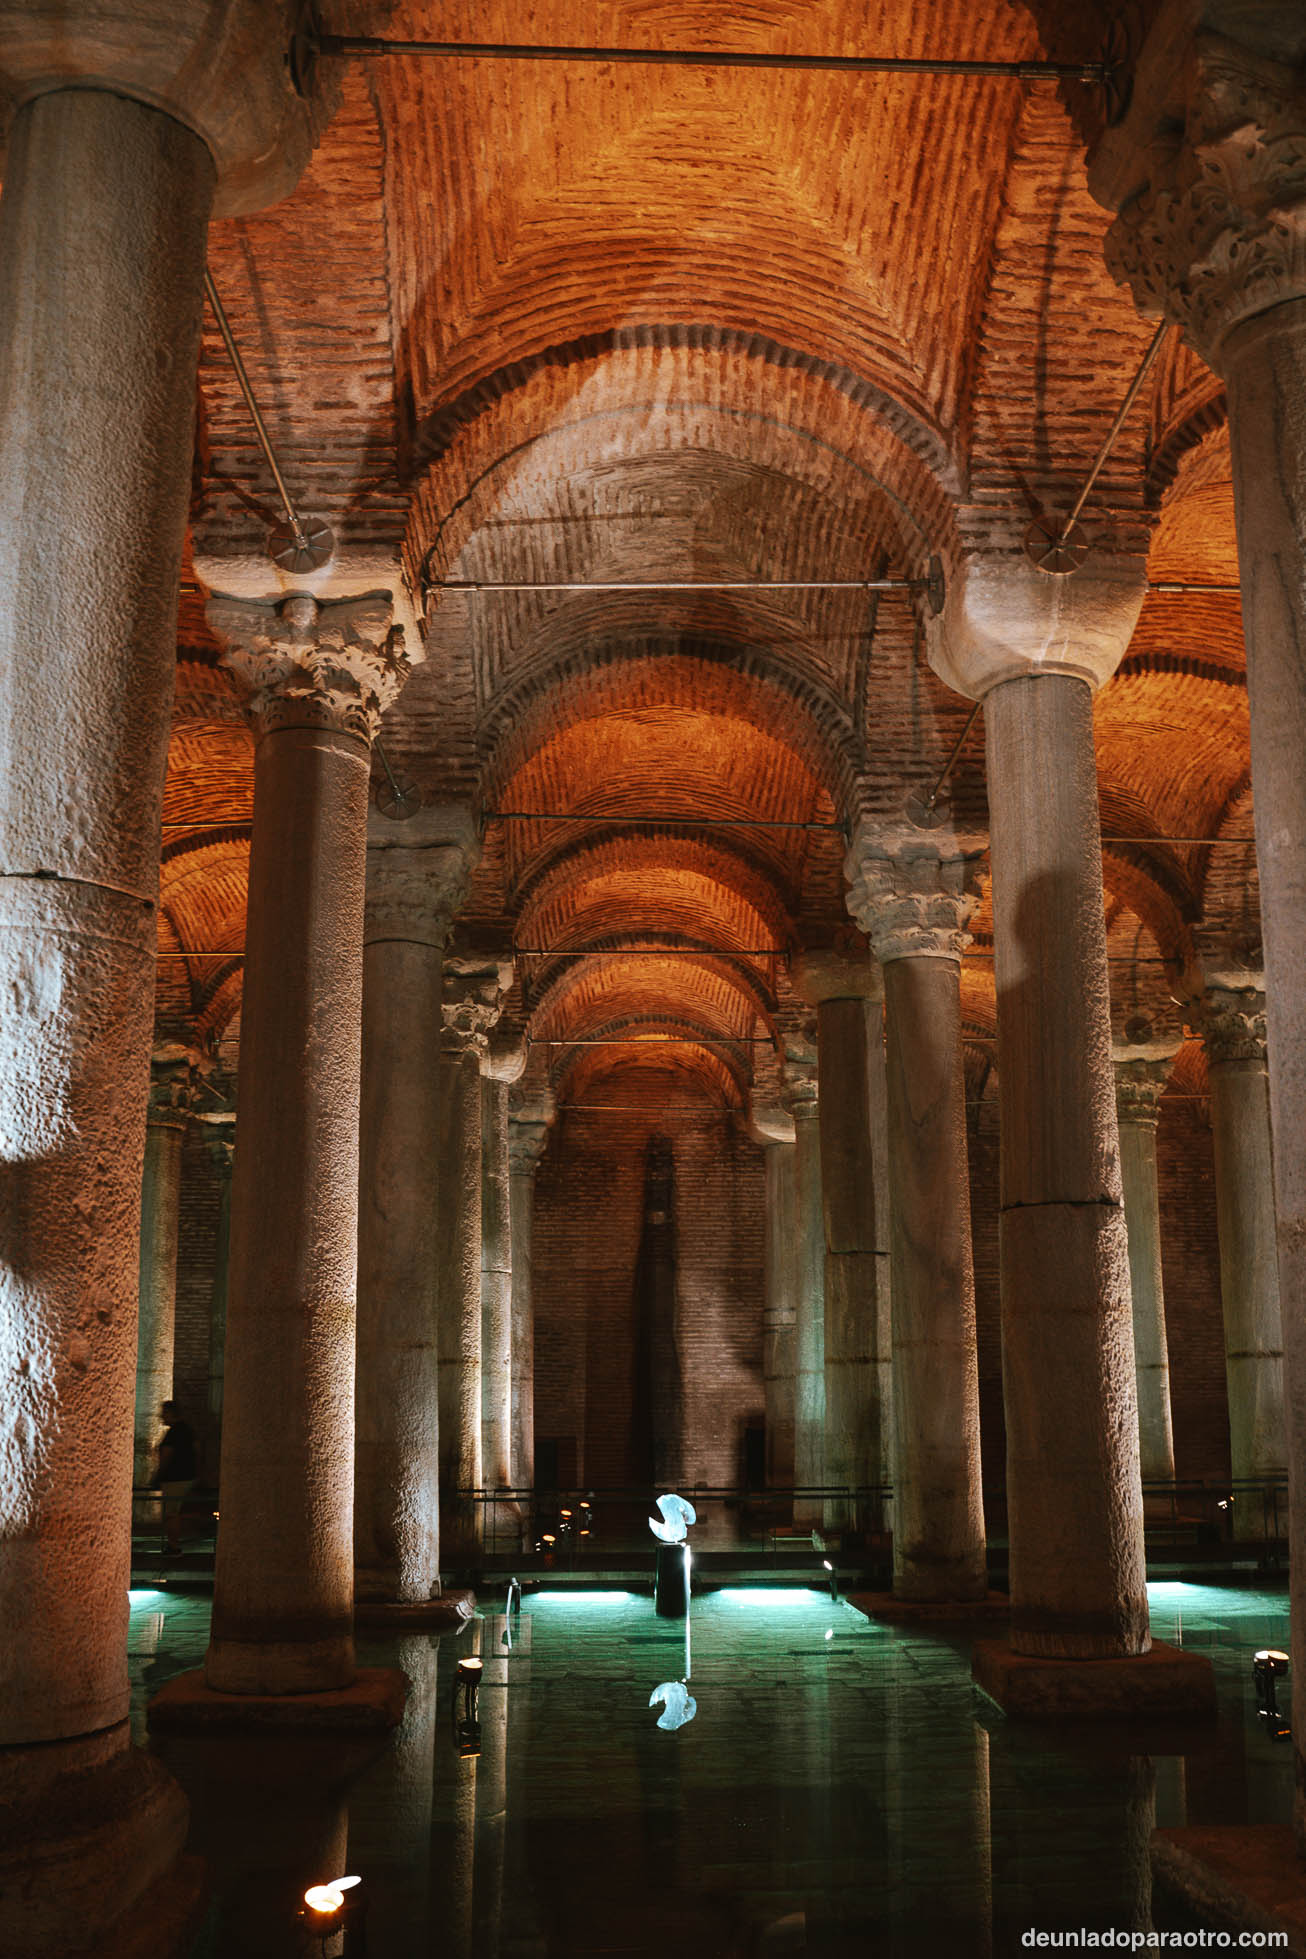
1033 647
417 874
165 1132
118 141
1140 1081
472 998
221 1147
845 988
283 1593
801 1101
913 902
775 1131
530 1112
1209 233
503 1064
1233 1028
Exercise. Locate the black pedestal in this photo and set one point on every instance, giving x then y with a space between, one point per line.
671 1587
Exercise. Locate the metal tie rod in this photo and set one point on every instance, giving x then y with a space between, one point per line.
246 388
371 46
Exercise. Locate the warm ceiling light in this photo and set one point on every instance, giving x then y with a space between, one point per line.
329 1897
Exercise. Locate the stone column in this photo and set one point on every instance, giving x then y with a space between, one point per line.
472 996
530 1112
801 1101
913 897
503 1064
845 988
1209 234
775 1131
1140 1080
1033 647
417 874
165 1132
283 1592
221 1144
1233 1028
117 146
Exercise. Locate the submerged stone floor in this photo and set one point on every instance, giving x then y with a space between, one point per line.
840 1788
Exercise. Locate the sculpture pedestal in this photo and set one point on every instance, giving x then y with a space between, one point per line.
671 1587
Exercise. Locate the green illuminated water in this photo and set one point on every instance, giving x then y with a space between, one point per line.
840 1789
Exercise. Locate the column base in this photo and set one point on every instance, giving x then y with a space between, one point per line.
1163 1682
449 1612
188 1705
892 1611
1244 1877
91 1834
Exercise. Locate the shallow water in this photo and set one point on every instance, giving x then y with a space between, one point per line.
839 1787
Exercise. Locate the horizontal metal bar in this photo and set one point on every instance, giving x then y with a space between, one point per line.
371 46
1169 588
664 821
678 585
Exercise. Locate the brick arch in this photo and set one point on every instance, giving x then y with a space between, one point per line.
720 1074
719 996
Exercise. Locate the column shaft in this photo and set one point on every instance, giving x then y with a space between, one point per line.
779 1312
938 1536
397 1490
459 1279
496 1288
809 1313
1073 1490
102 233
156 1330
1249 1273
283 1585
521 1209
1151 1351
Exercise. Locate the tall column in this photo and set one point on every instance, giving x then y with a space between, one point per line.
116 148
417 873
801 1101
1033 647
845 988
472 998
775 1131
914 902
283 1593
1140 1082
504 1061
165 1133
221 1145
530 1112
1233 1028
1209 233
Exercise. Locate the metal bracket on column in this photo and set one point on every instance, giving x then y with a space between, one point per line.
396 797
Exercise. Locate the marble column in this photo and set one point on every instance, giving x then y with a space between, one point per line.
1140 1082
503 1064
801 1101
1033 647
530 1112
913 897
1233 1029
116 149
775 1131
220 1141
417 874
1205 171
283 1594
845 989
171 1076
473 990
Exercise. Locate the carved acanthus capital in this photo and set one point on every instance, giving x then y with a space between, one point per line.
530 1116
1215 231
799 1088
1140 1084
912 899
1233 1026
310 665
473 1000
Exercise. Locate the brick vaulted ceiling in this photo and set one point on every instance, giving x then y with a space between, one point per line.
595 323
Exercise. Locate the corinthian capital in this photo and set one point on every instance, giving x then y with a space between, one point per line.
473 1000
911 897
1211 190
1233 1026
530 1113
799 1089
309 665
1140 1084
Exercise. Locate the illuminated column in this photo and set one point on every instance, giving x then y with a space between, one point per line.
846 990
1233 1029
1033 647
801 1102
165 1132
221 1146
530 1112
1140 1081
504 1061
775 1131
417 873
473 989
1209 233
283 1593
914 903
120 142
